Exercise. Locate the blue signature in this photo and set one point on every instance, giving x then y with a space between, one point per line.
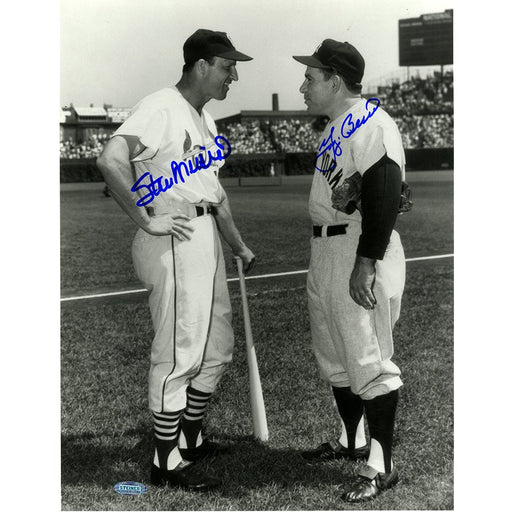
158 185
348 127
351 127
326 145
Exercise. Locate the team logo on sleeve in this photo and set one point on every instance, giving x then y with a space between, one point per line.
187 143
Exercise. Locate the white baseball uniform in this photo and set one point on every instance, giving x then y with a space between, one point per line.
189 299
353 346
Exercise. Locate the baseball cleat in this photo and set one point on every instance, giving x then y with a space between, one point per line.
333 450
186 476
370 484
205 449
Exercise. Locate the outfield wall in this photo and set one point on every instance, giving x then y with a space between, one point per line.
412 178
260 165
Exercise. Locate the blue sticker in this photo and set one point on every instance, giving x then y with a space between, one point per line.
130 488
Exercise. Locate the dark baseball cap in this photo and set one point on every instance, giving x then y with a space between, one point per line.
342 57
203 44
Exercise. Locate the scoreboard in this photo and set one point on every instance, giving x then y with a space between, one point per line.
427 40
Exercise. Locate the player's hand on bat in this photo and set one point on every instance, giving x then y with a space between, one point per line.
176 224
361 282
247 257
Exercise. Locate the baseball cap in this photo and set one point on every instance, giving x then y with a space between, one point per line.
342 57
203 44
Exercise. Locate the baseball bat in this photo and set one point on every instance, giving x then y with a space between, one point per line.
259 418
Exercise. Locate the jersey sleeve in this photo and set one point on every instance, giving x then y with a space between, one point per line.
149 126
371 145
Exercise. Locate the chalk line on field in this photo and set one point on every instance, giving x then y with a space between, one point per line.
231 279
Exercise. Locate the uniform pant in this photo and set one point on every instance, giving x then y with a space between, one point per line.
190 309
353 346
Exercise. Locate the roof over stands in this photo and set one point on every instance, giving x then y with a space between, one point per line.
276 113
91 111
264 115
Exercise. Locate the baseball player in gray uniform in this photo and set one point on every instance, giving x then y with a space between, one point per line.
162 167
357 269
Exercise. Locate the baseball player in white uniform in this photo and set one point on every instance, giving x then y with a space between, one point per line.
357 269
162 166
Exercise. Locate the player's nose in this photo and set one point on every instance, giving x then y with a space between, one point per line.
302 89
234 75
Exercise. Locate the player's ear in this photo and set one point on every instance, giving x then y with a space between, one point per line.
201 66
336 82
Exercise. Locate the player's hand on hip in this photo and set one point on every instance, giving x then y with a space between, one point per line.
176 225
247 257
361 282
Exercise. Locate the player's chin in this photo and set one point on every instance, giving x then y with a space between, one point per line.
311 108
223 92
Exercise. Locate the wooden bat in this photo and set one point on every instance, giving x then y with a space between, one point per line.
259 418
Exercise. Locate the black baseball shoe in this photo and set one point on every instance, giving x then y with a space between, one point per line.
186 475
333 450
205 449
370 484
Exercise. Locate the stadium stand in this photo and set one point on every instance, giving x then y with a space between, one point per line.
249 137
421 107
419 96
91 148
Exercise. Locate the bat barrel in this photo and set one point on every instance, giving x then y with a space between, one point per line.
259 418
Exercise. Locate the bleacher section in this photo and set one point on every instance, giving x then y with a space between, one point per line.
421 107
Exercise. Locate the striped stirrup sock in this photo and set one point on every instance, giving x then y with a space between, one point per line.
192 422
166 429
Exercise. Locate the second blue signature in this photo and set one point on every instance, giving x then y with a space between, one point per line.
158 185
348 127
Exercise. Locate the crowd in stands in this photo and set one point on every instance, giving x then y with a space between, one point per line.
293 136
248 137
421 107
430 131
91 148
419 96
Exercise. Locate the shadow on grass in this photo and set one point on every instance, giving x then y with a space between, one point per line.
103 460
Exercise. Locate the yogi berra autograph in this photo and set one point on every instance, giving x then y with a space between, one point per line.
348 127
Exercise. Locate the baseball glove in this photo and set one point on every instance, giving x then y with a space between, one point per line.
405 199
347 197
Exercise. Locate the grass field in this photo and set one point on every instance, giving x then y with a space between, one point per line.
106 427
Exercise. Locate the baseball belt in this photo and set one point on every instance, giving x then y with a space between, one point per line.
339 229
203 210
192 210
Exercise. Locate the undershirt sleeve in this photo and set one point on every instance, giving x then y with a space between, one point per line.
380 200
